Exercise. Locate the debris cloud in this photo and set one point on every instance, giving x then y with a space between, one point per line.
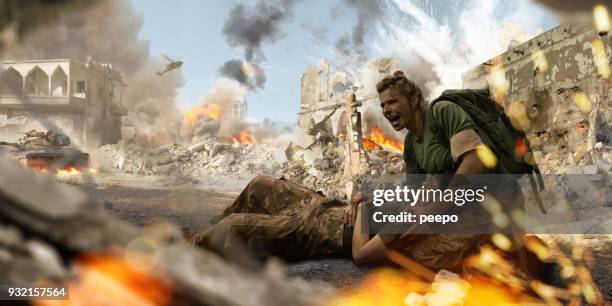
108 32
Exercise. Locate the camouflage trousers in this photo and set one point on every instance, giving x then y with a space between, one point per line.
281 218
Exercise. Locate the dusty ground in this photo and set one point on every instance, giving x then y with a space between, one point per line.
188 203
191 203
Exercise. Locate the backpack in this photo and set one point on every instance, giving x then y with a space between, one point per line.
485 113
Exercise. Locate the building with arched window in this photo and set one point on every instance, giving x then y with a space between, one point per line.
82 99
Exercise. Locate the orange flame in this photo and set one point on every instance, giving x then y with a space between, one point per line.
417 286
110 280
75 171
213 111
376 140
388 287
42 166
370 145
243 138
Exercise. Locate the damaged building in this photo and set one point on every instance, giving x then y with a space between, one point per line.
556 88
333 123
82 99
239 110
323 93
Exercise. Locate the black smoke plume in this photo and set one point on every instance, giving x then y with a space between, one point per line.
369 14
233 69
249 28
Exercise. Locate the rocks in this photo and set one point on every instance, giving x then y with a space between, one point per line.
198 146
320 169
200 159
323 168
223 161
321 164
218 148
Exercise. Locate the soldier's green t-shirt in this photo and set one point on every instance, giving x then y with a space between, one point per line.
431 152
448 133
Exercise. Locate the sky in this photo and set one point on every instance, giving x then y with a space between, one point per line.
194 28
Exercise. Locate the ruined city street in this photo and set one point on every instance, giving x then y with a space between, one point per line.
282 152
191 203
187 203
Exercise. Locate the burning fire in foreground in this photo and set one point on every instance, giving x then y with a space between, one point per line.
110 280
492 280
390 287
376 140
243 138
213 111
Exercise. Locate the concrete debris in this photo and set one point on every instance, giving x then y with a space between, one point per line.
199 159
38 245
329 174
291 150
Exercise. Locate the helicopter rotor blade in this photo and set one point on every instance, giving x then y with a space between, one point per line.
167 58
182 56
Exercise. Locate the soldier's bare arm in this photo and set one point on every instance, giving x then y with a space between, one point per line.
365 250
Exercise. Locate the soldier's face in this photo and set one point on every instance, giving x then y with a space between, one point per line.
397 108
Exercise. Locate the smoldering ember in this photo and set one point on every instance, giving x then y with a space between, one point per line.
136 177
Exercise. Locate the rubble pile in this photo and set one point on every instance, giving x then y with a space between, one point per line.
324 168
56 234
201 159
324 174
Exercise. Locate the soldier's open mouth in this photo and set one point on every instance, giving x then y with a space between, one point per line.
394 120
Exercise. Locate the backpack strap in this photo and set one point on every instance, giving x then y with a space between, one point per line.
412 166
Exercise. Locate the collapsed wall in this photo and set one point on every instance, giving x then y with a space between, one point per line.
556 88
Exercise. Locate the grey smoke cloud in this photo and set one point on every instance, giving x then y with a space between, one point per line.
369 13
108 32
249 28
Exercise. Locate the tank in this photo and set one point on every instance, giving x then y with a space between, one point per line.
47 151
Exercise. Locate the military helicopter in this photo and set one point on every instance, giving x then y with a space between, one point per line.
172 64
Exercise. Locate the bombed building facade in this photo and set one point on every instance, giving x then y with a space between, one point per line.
336 122
323 97
556 88
82 99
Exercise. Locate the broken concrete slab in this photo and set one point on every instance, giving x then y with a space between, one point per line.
218 148
197 147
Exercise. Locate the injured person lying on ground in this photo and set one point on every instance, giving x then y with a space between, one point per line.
281 218
275 217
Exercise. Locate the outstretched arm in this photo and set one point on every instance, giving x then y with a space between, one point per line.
366 250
